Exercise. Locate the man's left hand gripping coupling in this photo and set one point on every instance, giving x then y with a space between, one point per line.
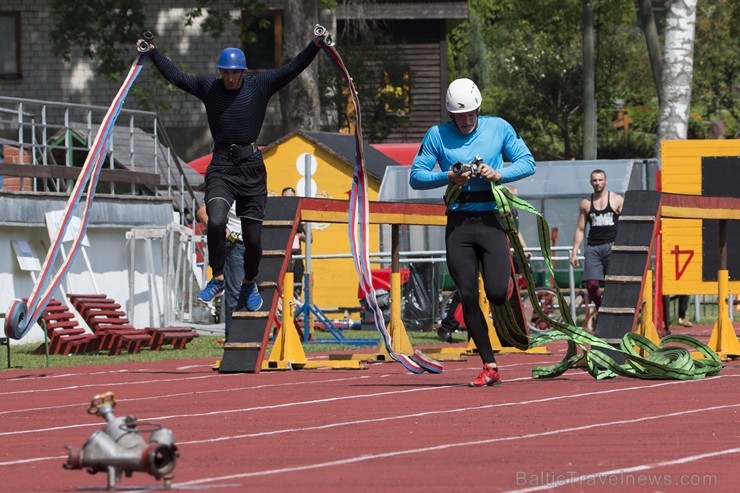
145 44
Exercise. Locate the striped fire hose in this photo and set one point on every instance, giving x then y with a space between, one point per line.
21 315
359 221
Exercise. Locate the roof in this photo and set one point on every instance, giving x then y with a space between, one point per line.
342 147
399 9
403 153
136 150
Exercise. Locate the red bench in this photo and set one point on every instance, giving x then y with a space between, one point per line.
66 344
130 340
178 337
114 330
63 334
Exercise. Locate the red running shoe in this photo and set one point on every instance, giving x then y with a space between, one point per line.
487 377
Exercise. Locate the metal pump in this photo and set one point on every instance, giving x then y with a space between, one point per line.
119 447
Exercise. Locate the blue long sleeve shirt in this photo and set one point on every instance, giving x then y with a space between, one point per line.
446 145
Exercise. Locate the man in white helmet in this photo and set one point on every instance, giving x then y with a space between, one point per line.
474 235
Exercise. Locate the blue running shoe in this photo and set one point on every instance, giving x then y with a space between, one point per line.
213 290
251 294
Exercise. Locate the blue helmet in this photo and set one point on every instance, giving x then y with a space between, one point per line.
232 59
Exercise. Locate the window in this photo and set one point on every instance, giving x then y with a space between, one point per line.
263 40
10 45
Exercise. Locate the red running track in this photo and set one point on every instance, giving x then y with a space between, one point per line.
382 429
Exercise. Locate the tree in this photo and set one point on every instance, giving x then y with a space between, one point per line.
381 78
80 30
675 103
649 28
536 52
589 82
717 60
298 100
544 91
480 67
536 68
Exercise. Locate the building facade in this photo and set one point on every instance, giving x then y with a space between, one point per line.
29 69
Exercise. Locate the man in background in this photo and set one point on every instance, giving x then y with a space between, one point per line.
601 212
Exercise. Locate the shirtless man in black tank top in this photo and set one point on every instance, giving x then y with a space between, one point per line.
601 211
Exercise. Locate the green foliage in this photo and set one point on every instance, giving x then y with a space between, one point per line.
382 81
535 52
480 67
623 68
542 89
101 30
220 14
697 129
536 62
108 40
717 60
618 144
644 117
457 51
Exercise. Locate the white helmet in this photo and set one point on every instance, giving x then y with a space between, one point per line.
463 96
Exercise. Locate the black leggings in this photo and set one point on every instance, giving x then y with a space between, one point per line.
475 243
217 209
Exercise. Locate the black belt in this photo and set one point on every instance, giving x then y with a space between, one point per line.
483 196
236 152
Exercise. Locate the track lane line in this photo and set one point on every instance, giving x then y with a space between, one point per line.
364 396
444 447
230 389
181 394
357 422
628 470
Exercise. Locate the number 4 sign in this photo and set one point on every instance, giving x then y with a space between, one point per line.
681 268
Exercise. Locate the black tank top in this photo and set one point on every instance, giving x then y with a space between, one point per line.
602 224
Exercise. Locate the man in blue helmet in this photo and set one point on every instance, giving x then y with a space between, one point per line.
236 104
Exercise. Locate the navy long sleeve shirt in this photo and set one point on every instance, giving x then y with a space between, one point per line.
235 116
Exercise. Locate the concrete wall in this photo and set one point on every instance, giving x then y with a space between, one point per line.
108 253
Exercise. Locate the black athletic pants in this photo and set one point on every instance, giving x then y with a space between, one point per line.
476 243
246 183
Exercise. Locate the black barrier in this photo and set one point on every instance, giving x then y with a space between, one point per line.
420 297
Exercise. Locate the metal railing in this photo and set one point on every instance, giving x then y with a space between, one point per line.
54 133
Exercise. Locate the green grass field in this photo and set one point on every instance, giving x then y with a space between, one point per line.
200 347
208 346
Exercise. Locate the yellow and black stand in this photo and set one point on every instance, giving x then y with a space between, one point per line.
287 351
400 343
700 196
647 326
723 339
